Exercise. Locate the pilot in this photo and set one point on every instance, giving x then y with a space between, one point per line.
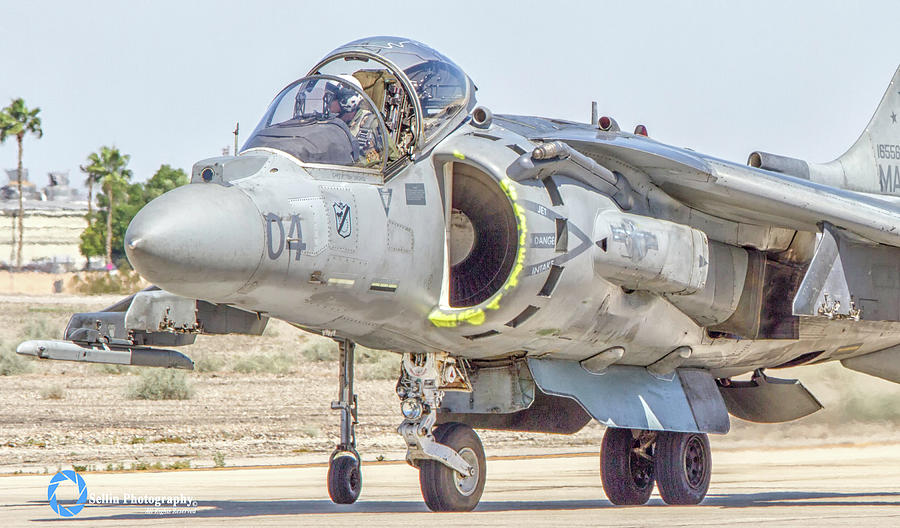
347 106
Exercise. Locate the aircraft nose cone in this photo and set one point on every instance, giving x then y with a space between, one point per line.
199 241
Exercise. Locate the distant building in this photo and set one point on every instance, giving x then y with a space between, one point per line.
59 189
11 189
53 222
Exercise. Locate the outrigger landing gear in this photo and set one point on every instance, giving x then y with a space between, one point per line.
344 476
450 457
632 460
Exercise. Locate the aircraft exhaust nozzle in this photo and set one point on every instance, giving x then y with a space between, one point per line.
201 241
137 356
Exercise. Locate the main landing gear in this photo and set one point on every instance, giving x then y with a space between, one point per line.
632 460
344 476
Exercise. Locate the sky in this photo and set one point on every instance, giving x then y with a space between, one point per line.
166 81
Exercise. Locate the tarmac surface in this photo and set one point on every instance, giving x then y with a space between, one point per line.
820 486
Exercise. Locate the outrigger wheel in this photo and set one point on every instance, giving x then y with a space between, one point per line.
445 489
344 477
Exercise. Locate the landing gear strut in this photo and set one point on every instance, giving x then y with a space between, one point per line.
631 460
344 477
450 457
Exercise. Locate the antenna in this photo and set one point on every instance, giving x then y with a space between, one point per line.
237 127
595 114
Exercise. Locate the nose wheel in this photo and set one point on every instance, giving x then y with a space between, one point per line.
446 489
344 475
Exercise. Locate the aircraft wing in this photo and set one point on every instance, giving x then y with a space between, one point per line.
725 189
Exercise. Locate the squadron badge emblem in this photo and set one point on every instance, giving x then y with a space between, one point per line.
342 219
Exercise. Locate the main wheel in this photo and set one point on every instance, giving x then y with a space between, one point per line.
626 467
344 479
445 489
683 466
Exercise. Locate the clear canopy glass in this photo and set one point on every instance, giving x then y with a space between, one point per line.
323 120
389 96
440 88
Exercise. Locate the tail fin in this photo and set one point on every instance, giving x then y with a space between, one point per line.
872 164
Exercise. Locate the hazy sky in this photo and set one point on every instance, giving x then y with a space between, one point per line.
166 81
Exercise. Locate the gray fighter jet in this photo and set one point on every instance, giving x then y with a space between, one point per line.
534 273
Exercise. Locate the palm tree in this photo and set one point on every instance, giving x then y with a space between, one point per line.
94 170
109 167
17 120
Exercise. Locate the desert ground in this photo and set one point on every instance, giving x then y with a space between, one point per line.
266 400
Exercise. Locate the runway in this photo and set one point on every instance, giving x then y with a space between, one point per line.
821 487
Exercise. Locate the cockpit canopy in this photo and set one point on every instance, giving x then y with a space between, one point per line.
323 120
404 97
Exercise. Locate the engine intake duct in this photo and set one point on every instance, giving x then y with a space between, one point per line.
782 164
483 237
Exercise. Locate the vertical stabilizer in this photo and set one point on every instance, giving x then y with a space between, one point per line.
872 164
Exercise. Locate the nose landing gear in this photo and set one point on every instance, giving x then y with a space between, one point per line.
450 457
344 476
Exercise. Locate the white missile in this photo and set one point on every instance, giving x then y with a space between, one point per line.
138 356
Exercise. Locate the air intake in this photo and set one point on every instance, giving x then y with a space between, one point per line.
483 236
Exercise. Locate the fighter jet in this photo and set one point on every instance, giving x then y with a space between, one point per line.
533 274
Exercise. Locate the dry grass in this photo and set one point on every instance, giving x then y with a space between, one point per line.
53 392
11 363
160 384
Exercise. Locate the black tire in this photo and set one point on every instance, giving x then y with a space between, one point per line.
443 488
683 467
627 477
344 479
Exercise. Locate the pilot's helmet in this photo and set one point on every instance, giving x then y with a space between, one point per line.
347 96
